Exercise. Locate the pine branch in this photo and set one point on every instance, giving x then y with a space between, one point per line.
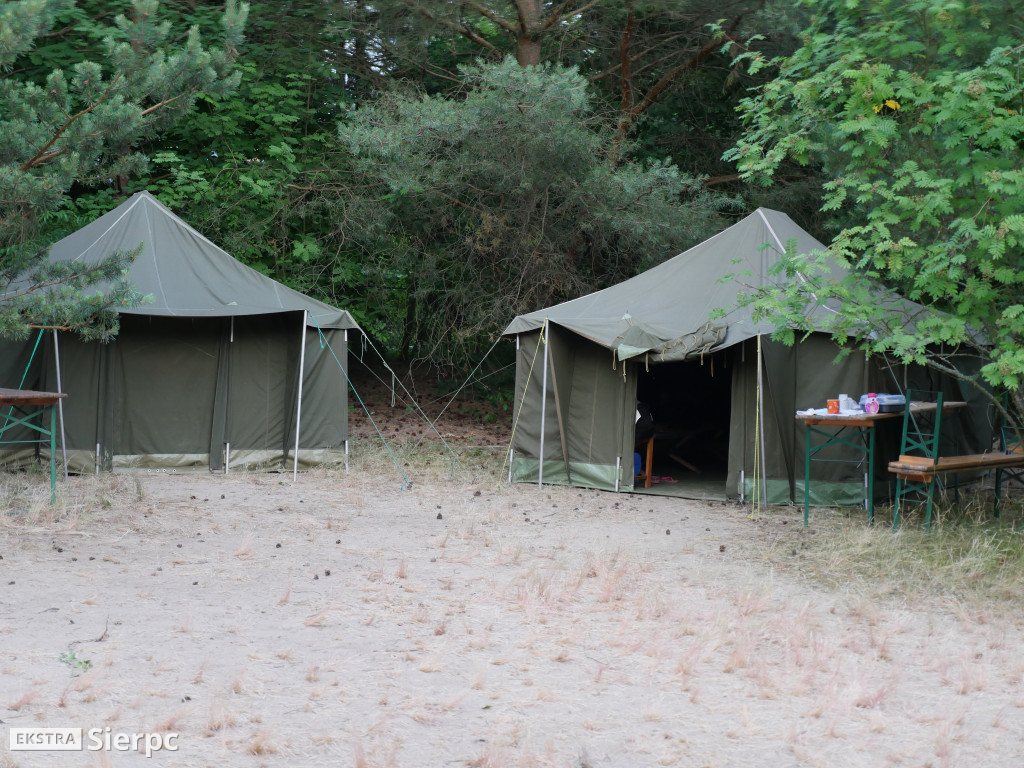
41 156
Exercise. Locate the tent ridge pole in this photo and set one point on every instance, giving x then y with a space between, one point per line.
778 242
298 407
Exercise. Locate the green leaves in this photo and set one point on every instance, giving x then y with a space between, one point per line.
913 110
502 199
81 123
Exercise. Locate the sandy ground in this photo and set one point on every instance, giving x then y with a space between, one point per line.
343 621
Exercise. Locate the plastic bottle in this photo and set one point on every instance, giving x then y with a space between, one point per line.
871 404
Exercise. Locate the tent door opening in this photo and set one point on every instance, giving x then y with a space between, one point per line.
690 404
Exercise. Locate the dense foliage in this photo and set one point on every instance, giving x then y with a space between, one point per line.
535 196
502 199
70 119
915 113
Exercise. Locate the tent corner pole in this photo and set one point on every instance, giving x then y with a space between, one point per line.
298 406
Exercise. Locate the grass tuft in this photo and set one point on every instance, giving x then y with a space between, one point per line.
963 561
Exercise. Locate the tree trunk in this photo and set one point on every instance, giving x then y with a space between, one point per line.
527 51
409 327
529 34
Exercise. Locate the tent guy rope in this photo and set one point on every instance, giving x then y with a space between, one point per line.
324 343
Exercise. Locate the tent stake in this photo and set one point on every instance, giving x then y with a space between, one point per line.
227 458
97 458
298 407
60 407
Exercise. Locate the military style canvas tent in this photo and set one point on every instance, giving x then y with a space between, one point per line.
722 392
224 367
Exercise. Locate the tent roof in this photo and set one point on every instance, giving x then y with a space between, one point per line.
186 274
667 310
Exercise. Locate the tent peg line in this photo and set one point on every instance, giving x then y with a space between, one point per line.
469 378
406 484
408 394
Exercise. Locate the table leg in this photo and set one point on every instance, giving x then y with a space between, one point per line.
807 471
871 475
53 456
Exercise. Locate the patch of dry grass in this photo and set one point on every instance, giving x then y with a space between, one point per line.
967 556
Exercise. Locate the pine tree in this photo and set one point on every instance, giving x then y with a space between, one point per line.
81 126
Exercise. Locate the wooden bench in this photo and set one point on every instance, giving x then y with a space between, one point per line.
923 470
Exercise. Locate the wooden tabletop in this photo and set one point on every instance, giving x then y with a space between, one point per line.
868 419
29 397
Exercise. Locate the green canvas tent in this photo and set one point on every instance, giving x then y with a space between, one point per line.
223 367
723 394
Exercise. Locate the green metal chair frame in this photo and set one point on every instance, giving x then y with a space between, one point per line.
1011 440
921 435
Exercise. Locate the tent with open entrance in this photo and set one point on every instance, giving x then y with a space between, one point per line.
723 418
223 368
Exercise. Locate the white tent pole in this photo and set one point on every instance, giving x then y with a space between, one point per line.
346 421
543 403
60 406
298 407
760 426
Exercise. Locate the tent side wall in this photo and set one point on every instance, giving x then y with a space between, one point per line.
804 376
587 413
323 438
185 394
793 377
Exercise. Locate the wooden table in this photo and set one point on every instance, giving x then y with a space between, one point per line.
31 404
861 439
